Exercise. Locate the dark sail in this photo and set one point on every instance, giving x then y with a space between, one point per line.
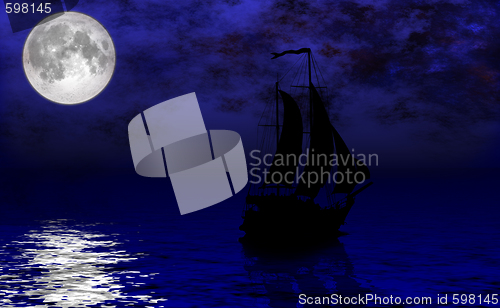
321 145
347 166
290 143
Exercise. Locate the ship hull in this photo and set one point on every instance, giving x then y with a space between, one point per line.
290 221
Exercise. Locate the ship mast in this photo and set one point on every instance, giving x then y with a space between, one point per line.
310 91
277 125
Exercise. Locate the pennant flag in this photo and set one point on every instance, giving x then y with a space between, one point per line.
295 52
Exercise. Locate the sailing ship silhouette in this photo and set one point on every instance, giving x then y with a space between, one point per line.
280 212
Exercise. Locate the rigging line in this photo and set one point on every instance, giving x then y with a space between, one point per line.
261 147
323 78
291 90
301 68
306 77
264 132
268 138
298 76
315 71
264 112
262 115
269 141
315 65
290 68
321 74
296 73
270 104
266 117
264 144
266 135
324 96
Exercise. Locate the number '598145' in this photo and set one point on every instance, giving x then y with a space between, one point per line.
27 8
473 299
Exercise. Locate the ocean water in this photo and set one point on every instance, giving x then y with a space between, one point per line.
405 237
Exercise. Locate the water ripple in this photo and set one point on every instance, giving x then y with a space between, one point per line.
64 266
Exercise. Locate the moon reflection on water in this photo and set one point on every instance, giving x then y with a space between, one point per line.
66 267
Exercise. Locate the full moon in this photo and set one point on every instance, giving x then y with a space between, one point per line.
69 59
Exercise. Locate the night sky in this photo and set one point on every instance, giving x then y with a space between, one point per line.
416 82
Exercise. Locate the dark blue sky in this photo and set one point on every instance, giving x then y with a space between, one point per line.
416 82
